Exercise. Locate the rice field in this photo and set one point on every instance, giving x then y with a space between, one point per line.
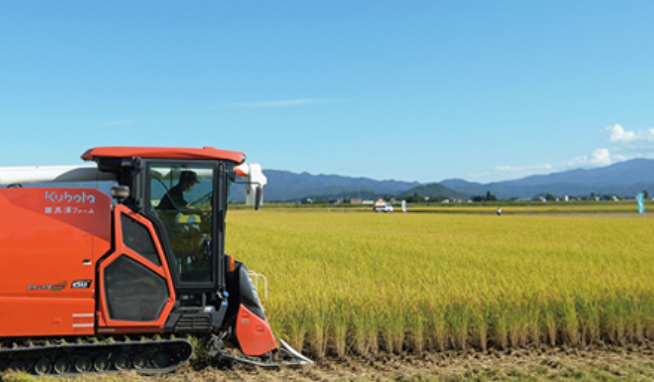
355 283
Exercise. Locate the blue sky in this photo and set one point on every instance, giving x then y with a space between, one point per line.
406 90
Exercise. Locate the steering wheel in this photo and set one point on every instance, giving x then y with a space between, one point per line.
206 198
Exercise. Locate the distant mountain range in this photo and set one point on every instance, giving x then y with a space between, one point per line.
624 179
288 186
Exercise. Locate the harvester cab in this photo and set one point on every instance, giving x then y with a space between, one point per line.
151 264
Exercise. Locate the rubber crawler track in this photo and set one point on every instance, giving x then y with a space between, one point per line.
71 357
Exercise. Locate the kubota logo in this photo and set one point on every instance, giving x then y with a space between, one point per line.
55 288
65 197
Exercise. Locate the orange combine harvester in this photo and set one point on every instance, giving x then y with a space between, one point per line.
94 285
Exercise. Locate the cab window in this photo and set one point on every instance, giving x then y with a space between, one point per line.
181 196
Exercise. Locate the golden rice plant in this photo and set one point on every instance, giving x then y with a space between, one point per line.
364 282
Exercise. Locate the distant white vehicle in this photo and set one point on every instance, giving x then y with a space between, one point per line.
381 206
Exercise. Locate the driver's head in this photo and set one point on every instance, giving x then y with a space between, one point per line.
188 179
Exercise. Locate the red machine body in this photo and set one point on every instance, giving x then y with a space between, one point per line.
74 264
51 241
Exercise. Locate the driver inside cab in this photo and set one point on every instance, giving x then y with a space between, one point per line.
188 238
174 198
174 210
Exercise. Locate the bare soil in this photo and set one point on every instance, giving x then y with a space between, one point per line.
606 363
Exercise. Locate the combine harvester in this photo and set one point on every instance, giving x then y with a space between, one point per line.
88 285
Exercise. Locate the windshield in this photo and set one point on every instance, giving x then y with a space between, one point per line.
181 196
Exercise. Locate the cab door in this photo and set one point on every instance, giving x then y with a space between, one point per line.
183 198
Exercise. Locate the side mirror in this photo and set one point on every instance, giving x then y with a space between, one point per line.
257 198
253 194
120 193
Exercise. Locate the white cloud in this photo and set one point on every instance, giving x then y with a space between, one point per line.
599 157
618 135
283 103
